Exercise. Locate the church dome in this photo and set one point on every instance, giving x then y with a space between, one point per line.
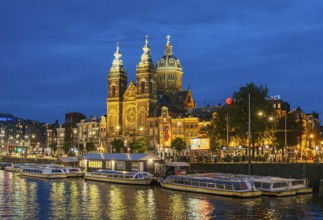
168 61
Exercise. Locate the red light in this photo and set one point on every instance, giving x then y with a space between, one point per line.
229 101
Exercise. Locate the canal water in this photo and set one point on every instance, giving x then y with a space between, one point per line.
32 198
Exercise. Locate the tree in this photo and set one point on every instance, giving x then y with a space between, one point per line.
238 116
178 144
67 147
293 131
90 146
139 145
117 145
53 147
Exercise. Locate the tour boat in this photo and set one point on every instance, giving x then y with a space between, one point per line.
73 172
14 168
3 165
300 185
136 178
43 172
237 187
273 187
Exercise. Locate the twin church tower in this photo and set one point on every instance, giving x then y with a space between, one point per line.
134 110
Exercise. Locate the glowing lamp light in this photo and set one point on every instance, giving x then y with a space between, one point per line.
229 101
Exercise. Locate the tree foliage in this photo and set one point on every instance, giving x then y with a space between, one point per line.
178 144
117 145
53 147
235 117
67 147
139 146
90 146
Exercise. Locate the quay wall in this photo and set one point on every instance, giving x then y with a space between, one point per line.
312 171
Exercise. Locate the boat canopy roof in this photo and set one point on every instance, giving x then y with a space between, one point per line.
121 157
207 179
119 172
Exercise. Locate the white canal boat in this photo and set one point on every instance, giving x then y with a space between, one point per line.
14 168
237 187
3 165
43 172
135 178
271 186
300 185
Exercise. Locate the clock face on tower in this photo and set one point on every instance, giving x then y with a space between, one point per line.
130 113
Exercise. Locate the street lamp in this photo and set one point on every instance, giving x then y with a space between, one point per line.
74 133
249 134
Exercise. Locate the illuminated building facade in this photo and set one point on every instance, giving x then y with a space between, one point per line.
17 135
145 108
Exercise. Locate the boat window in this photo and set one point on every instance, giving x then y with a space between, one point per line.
195 183
211 185
280 185
297 183
56 171
220 186
230 187
257 184
203 184
188 182
181 181
73 170
266 185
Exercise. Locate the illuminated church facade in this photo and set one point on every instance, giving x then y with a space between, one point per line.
155 106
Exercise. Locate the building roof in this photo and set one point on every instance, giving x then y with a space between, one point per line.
120 157
68 159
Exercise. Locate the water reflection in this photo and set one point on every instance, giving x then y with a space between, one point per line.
117 208
30 198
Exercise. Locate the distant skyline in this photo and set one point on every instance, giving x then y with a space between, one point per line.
55 55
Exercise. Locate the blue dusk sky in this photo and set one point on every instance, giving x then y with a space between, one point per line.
55 54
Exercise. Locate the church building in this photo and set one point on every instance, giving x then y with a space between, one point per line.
145 108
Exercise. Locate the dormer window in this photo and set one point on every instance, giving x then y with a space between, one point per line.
171 60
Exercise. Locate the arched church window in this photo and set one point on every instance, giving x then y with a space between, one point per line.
142 87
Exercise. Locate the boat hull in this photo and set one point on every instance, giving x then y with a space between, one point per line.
12 169
240 194
304 190
74 174
279 193
118 180
46 176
